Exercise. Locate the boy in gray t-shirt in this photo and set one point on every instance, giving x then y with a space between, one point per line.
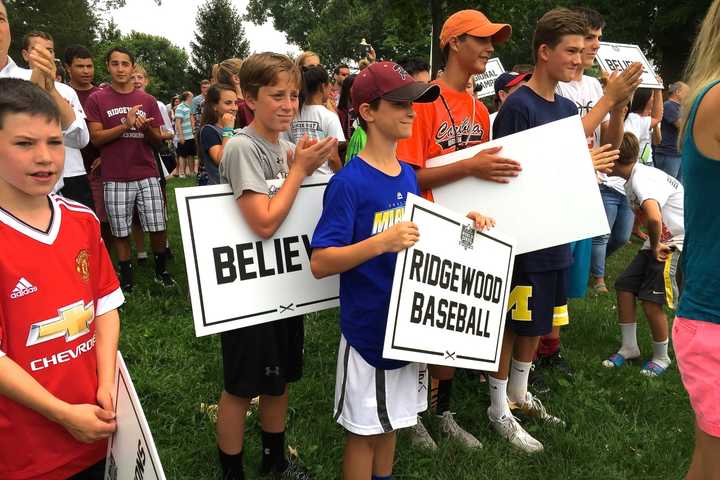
261 360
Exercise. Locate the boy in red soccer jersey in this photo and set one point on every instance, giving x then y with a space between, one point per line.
59 324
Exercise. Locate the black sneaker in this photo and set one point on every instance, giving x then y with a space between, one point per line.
293 471
165 279
142 260
127 287
556 362
536 381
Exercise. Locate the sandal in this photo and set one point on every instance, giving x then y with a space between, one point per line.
616 361
652 369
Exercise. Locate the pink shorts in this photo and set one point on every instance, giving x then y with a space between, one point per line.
697 349
96 186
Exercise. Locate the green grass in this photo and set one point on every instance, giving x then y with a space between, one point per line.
620 424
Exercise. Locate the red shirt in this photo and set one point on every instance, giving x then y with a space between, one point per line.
53 286
129 157
438 128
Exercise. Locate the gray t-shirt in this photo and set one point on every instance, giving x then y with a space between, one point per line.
249 160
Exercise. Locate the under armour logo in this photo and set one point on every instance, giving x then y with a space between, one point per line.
450 355
272 371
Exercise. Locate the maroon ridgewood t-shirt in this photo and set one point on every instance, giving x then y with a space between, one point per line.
89 152
128 158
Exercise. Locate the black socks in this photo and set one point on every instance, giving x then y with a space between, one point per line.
232 465
273 452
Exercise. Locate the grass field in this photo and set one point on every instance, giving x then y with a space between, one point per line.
621 425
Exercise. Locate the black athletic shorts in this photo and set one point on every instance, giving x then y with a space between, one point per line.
78 189
95 472
538 301
262 359
187 148
652 281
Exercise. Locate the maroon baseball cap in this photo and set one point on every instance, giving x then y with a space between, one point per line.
389 81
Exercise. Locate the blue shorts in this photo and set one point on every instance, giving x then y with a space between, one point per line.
538 301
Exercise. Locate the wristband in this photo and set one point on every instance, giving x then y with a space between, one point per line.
229 134
228 129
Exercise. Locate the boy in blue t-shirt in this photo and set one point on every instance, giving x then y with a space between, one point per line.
358 235
539 282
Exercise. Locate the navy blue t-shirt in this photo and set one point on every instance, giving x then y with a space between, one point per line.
668 130
210 135
522 110
361 201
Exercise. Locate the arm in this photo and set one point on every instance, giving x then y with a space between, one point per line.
612 131
107 332
100 136
43 67
87 423
656 114
486 165
179 129
653 219
264 214
331 260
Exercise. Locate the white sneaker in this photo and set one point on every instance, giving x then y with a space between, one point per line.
450 428
533 407
509 428
420 438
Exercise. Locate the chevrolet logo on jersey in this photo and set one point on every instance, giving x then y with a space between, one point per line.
73 321
386 219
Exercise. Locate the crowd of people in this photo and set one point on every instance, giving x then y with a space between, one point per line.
85 171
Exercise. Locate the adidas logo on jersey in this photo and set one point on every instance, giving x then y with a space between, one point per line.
23 288
399 196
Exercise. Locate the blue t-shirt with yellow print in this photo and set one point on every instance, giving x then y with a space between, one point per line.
361 201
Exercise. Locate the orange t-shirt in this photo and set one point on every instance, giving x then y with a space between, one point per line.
437 128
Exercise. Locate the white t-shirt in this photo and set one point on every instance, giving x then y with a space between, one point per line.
586 93
492 120
651 183
640 126
167 123
317 122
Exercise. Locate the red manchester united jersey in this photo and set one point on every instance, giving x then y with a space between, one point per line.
53 284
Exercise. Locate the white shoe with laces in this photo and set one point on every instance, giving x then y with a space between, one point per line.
509 428
450 428
533 407
420 438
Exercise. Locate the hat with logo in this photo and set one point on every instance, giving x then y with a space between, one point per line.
507 80
389 81
475 23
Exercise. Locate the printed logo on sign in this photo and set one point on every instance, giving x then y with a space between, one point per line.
467 236
23 288
72 322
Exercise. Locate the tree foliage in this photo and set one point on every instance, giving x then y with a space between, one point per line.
333 28
166 64
219 35
68 21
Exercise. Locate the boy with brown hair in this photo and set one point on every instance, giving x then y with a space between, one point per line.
539 284
262 359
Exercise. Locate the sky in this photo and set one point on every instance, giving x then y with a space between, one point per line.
175 20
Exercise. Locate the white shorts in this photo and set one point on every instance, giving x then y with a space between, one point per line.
371 401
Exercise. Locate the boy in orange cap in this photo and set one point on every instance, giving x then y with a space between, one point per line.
455 121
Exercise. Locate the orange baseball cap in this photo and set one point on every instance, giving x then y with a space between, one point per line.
475 23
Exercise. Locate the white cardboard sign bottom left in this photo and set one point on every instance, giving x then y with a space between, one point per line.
131 451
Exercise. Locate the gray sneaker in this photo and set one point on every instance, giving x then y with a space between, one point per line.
450 428
509 428
420 438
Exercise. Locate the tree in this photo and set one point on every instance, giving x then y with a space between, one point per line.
166 64
68 21
219 36
664 29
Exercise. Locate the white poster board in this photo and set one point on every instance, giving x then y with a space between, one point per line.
131 450
555 199
486 80
614 57
237 279
450 291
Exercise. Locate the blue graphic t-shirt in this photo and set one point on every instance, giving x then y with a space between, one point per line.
523 110
361 201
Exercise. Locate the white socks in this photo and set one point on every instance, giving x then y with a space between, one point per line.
630 348
518 381
660 354
498 398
